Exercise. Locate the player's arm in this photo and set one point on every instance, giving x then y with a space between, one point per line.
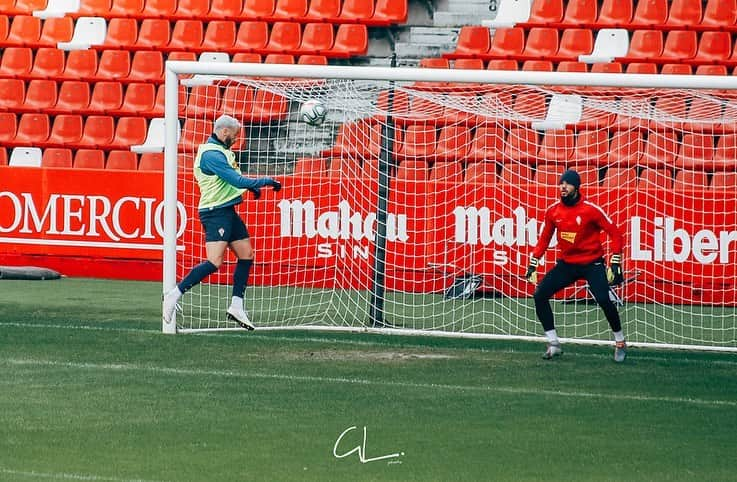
614 271
214 163
542 245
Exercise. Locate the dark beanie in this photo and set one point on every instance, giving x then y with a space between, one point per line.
572 178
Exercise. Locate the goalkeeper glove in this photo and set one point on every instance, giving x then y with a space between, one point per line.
276 185
531 274
614 272
256 192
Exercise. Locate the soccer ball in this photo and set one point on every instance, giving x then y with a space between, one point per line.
313 112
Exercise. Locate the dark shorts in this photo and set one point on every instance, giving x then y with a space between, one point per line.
223 224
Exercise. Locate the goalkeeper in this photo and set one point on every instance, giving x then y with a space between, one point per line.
221 189
578 224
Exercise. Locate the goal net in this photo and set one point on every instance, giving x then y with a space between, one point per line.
415 205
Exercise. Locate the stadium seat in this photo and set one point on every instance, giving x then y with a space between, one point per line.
724 180
557 146
312 60
279 59
719 14
412 170
684 13
541 43
310 167
360 139
56 157
74 96
237 101
3 157
151 161
713 47
203 101
138 100
687 179
48 63
659 179
670 110
575 42
626 148
8 127
620 178
28 6
725 153
679 45
644 45
389 12
610 44
258 9
83 65
252 36
507 43
350 40
615 13
192 9
33 130
592 146
569 66
696 151
323 10
186 34
66 130
89 159
544 12
537 65
356 11
88 31
548 174
220 35
12 94
711 70
285 37
676 69
344 168
94 8
225 9
419 142
453 144
660 149
581 12
23 156
268 106
41 96
56 30
16 61
129 131
474 40
114 65
468 64
146 66
650 12
106 97
516 173
154 33
482 172
447 171
121 33
290 10
154 137
122 160
160 8
522 145
642 68
25 30
317 37
502 64
99 131
488 143
127 8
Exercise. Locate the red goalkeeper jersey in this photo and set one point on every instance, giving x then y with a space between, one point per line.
578 228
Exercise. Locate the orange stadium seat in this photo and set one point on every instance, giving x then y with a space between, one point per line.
687 179
626 148
285 37
660 149
530 105
389 12
312 60
146 66
679 45
548 174
16 61
203 101
575 42
412 170
310 166
644 45
542 42
719 14
537 65
122 160
545 12
121 33
684 13
279 59
502 64
114 65
358 139
650 12
589 174
3 157
610 68
8 127
194 132
669 108
350 40
516 173
41 95
154 33
453 144
129 131
4 25
370 171
507 42
676 69
186 34
569 66
356 10
581 12
557 145
488 143
99 131
33 130
468 64
258 9
82 64
225 9
344 168
139 98
67 130
94 8
475 40
56 157
592 146
419 142
48 63
711 70
696 151
89 159
642 68
323 10
56 30
106 96
151 161
160 8
620 177
74 96
713 47
220 35
28 6
522 145
725 153
252 35
655 178
12 94
482 172
447 171
317 37
290 10
191 9
724 180
25 30
237 101
615 13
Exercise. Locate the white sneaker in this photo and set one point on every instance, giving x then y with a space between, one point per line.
171 304
620 351
553 350
240 316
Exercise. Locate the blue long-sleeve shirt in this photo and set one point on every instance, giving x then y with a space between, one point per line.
215 163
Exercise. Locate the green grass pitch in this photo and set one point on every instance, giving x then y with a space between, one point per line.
91 390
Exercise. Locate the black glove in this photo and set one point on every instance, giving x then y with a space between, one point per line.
614 273
276 185
256 192
531 274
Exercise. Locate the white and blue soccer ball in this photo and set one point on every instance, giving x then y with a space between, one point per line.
313 112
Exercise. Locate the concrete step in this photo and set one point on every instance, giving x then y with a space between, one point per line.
455 19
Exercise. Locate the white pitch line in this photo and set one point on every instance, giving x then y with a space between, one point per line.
363 343
66 476
361 381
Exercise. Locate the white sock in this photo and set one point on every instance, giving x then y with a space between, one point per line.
552 336
618 336
236 302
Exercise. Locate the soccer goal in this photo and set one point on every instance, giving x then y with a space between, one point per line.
414 206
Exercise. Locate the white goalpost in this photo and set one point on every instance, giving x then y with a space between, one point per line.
414 207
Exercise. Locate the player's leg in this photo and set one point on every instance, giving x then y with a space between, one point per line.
599 286
216 226
240 244
556 279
